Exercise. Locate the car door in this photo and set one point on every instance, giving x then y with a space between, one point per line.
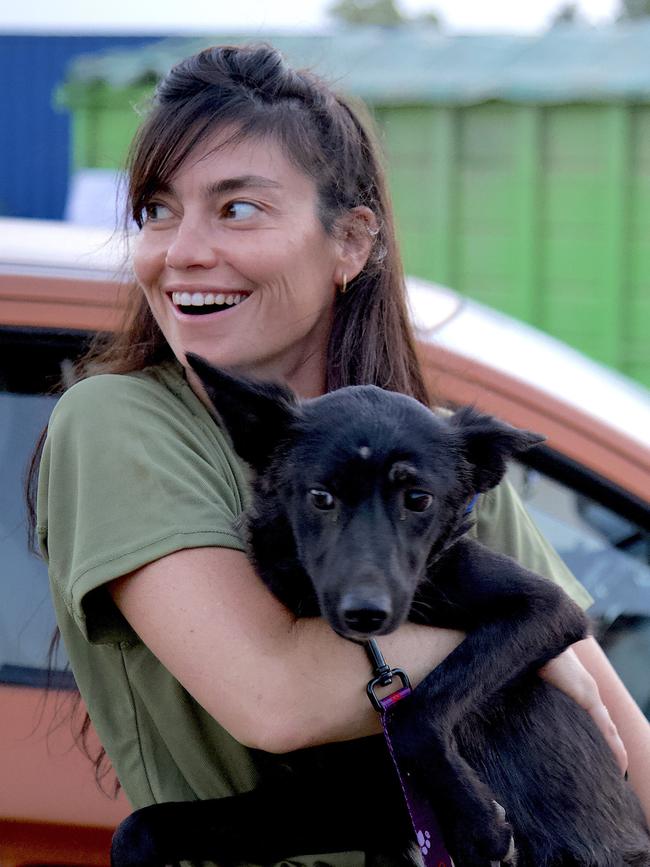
51 809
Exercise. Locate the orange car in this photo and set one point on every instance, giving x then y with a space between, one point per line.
588 489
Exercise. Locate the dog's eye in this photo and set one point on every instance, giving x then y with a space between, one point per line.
321 499
417 501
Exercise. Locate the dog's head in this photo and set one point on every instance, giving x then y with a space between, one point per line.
371 483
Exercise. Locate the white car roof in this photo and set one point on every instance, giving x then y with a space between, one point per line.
51 246
444 318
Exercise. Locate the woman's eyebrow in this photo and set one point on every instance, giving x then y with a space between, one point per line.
230 185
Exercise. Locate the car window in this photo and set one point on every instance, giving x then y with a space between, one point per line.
29 366
610 556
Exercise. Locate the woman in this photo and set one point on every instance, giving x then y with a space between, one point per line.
259 199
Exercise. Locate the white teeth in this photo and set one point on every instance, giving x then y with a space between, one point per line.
200 299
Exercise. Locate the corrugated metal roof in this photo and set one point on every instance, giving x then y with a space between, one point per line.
420 64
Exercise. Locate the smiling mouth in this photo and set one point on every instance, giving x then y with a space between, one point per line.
202 303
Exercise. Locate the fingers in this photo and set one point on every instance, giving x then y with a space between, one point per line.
603 720
568 674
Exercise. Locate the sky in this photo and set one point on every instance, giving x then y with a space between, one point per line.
259 16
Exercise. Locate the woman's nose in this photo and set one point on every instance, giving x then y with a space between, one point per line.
192 246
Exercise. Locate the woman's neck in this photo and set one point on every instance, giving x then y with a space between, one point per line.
306 379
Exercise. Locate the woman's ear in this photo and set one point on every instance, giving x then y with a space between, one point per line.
356 232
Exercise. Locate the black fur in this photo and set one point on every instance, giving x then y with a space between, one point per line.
391 545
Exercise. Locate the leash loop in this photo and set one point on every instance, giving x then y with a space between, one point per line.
384 675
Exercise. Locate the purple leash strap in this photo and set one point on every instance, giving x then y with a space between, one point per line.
425 825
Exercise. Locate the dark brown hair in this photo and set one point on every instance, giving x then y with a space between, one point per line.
251 92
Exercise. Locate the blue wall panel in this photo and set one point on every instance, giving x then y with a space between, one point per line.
34 136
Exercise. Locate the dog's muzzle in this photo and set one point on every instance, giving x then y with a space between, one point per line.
364 616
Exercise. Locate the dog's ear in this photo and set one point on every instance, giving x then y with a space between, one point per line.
257 415
489 443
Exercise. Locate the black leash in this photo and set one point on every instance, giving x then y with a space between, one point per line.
425 824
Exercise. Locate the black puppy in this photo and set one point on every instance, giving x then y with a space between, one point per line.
359 514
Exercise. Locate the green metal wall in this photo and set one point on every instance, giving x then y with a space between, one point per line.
104 121
540 211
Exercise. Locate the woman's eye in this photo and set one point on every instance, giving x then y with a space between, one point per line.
321 499
240 210
155 211
417 501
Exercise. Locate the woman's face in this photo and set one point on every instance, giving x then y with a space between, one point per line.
237 267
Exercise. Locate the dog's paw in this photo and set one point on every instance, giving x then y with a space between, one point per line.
486 843
510 858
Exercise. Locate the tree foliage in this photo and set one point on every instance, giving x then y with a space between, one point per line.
567 13
381 13
632 10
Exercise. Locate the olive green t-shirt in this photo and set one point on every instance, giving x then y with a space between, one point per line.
134 468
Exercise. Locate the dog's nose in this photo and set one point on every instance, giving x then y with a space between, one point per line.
364 615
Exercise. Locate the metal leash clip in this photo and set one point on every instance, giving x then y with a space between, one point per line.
384 675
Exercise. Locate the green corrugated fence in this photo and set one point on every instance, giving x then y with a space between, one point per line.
540 211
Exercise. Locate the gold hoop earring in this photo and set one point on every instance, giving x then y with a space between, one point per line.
344 285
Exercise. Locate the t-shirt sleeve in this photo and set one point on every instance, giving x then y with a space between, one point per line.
127 477
504 525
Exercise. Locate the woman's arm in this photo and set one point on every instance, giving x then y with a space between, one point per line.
274 682
278 684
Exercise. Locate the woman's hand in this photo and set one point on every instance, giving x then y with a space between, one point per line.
568 674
